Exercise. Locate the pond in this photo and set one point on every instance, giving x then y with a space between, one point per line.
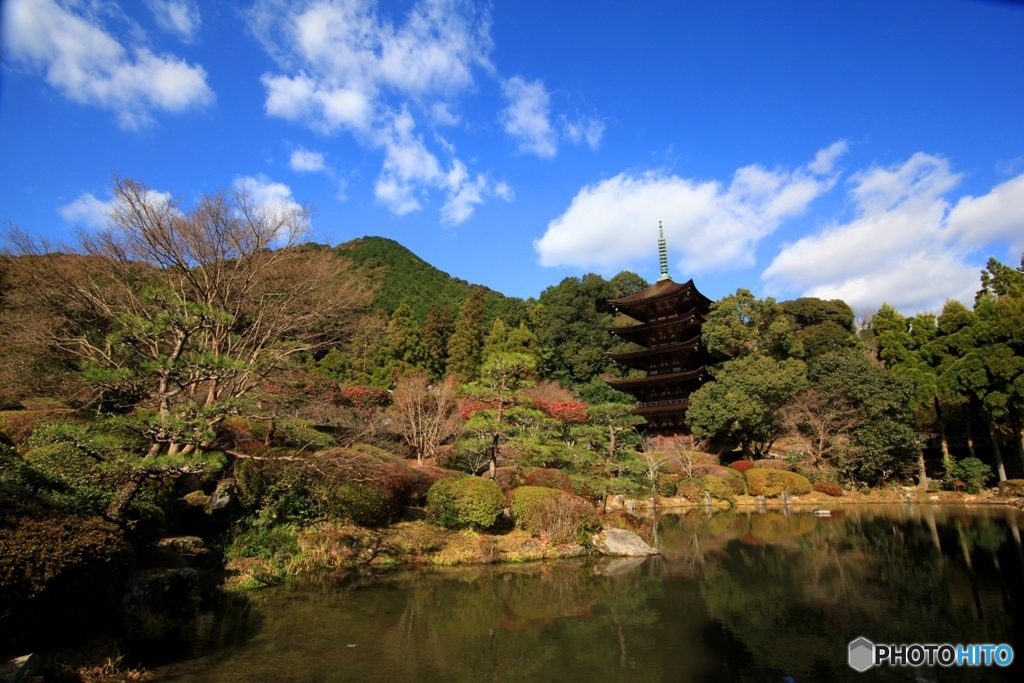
734 597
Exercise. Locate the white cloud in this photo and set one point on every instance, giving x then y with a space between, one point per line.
904 245
345 68
87 211
613 223
998 215
465 193
178 17
345 56
586 129
442 116
272 197
825 159
527 116
305 161
86 63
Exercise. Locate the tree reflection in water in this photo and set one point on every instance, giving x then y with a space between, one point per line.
737 597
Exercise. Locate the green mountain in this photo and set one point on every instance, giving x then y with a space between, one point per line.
401 277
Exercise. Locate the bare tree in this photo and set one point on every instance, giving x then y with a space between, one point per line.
821 426
656 459
187 311
427 415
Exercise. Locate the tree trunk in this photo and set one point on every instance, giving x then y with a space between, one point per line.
123 497
611 447
970 434
922 473
947 459
1018 437
1000 468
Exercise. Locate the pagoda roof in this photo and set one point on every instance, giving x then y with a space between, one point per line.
661 408
658 329
647 358
640 383
662 294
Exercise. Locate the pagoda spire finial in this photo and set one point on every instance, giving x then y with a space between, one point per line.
662 253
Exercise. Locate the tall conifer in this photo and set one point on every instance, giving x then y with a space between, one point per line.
466 344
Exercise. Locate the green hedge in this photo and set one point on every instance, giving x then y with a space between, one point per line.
771 483
523 499
690 489
716 487
459 502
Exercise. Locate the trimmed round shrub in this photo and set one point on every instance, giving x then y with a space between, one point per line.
690 489
364 505
666 486
742 466
716 487
737 482
828 488
551 478
771 464
771 483
460 502
1012 487
562 519
522 500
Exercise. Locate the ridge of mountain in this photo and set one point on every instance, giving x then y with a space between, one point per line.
403 277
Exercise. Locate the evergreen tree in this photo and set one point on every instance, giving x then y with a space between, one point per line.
522 340
904 345
402 351
437 330
465 346
497 340
741 324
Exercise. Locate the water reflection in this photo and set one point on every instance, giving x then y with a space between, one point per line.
734 597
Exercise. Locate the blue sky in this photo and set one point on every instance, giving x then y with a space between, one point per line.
864 150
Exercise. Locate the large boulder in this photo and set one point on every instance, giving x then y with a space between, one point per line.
224 497
621 543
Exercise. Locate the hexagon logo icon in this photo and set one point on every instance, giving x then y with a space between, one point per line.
862 654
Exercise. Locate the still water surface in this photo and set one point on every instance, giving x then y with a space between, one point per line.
734 597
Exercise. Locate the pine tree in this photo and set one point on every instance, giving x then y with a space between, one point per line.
465 346
497 340
437 330
403 350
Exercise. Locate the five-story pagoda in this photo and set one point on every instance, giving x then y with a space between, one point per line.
673 357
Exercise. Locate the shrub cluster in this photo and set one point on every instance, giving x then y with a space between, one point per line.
59 574
562 518
362 484
667 484
549 478
828 488
690 489
717 487
522 500
973 472
742 466
771 482
1012 487
771 464
460 502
